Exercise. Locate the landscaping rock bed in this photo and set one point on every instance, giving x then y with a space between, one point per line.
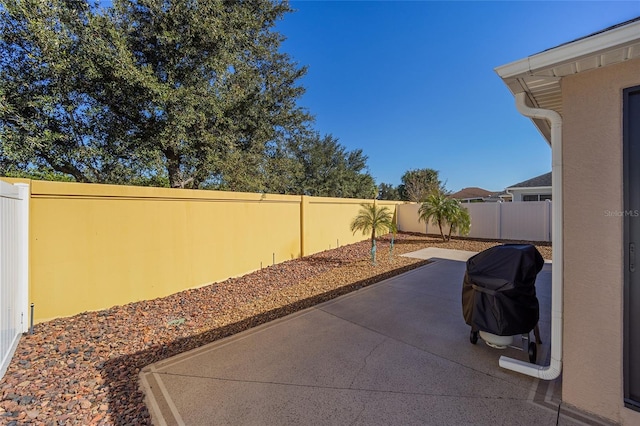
84 369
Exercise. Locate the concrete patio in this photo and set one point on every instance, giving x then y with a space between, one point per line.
397 352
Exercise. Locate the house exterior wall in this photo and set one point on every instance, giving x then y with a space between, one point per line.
593 240
519 192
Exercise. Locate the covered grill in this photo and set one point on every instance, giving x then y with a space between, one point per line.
499 294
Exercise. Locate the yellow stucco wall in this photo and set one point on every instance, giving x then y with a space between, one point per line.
327 222
96 246
593 241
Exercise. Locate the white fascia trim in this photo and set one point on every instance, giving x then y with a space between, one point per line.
529 188
613 38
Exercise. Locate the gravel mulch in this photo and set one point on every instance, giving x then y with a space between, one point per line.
84 369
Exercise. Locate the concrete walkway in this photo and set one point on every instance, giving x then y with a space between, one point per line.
394 353
440 253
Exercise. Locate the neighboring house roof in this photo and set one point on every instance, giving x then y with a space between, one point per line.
536 182
539 75
473 192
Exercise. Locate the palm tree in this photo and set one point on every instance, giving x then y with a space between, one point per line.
438 208
374 219
460 220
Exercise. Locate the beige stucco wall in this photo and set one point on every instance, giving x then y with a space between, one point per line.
593 248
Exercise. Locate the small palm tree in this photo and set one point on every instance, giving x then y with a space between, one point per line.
438 207
460 220
374 219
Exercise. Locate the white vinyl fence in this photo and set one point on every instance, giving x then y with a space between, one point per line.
527 220
14 280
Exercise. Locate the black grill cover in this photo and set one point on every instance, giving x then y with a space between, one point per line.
498 291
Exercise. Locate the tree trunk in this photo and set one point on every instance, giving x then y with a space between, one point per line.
441 232
373 246
173 168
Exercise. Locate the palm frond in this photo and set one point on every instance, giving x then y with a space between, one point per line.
373 218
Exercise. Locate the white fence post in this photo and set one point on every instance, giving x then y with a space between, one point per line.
549 219
14 268
23 256
499 218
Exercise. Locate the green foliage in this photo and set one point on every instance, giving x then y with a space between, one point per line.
460 220
418 184
386 191
176 93
209 90
441 209
327 169
47 120
435 208
374 219
38 174
165 93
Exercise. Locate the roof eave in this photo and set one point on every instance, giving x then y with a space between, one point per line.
539 75
598 43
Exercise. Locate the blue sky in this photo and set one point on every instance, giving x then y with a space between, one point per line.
412 83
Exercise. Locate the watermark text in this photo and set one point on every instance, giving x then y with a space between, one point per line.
622 213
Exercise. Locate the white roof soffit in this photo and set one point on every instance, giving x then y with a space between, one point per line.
539 75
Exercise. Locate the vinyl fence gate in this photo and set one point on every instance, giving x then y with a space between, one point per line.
14 267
